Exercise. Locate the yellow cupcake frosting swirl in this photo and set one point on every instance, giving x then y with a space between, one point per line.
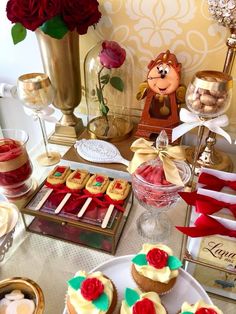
164 274
83 306
152 296
193 308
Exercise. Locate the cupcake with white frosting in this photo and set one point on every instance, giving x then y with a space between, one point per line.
155 268
138 303
199 307
91 293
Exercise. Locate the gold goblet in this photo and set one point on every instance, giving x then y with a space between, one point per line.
36 92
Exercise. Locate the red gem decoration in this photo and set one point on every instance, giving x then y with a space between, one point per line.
99 179
77 176
61 169
204 310
118 186
91 288
145 306
157 258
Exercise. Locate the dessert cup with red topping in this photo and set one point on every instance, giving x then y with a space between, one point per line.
156 194
15 165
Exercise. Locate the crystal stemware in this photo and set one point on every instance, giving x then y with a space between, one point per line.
36 92
156 194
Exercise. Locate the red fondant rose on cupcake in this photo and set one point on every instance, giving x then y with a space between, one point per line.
143 307
204 310
157 258
91 288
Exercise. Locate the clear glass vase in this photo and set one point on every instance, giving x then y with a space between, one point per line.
116 124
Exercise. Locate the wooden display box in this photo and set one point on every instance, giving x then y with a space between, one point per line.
67 226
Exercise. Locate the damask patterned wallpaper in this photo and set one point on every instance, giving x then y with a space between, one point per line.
147 27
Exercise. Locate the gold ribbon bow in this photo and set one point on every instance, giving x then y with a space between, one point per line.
144 151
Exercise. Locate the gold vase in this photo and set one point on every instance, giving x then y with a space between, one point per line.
61 62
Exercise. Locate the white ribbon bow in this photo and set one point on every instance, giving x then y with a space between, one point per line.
44 114
192 120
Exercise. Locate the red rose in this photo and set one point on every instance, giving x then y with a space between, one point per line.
143 307
204 310
112 55
80 14
32 13
91 288
157 258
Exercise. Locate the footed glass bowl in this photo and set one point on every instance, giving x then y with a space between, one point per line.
156 194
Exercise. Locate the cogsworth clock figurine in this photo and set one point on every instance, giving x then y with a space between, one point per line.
163 94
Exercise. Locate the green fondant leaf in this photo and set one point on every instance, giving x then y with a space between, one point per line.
57 174
76 282
102 302
140 260
98 184
131 296
187 313
173 262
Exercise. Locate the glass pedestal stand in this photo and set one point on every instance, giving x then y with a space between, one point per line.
110 128
154 225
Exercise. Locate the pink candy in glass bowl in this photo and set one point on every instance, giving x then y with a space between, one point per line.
156 194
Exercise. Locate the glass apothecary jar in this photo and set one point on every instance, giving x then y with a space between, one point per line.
109 91
209 94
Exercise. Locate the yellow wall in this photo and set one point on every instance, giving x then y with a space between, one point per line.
147 27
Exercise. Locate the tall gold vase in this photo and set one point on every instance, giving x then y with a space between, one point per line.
61 62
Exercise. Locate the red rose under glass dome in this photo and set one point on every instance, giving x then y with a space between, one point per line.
107 82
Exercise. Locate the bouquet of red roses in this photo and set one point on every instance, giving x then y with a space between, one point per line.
54 17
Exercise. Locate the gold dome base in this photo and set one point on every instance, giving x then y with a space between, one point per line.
213 159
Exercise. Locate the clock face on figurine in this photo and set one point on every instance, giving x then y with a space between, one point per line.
161 104
163 79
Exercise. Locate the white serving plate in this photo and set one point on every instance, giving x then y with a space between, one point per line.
186 288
